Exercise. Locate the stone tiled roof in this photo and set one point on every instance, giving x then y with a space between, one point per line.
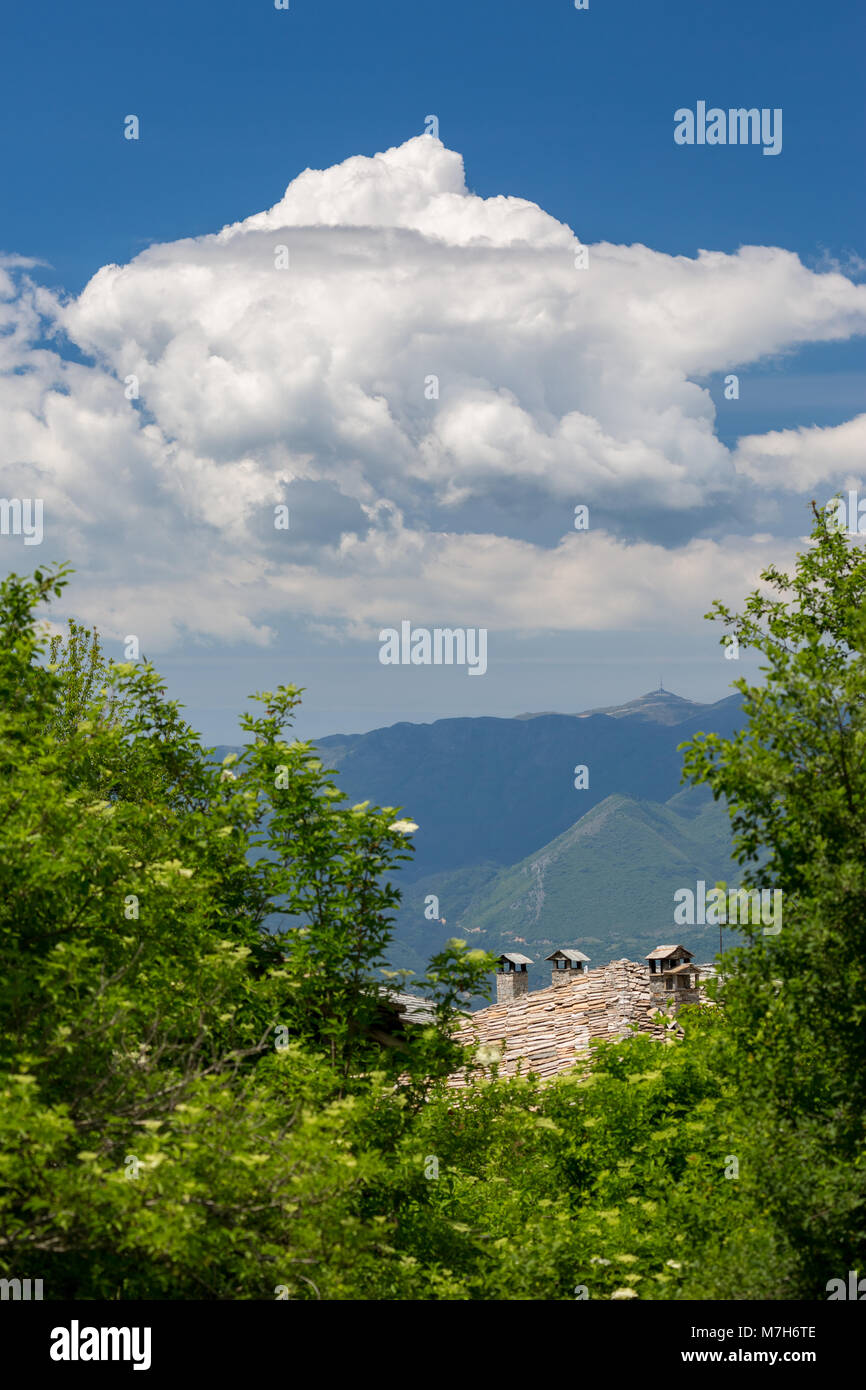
546 1029
406 1008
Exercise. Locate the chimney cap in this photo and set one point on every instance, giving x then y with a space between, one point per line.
661 951
515 958
574 956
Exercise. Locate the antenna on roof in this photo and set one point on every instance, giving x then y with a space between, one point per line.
661 689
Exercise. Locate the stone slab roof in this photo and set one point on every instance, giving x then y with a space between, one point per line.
409 1008
546 1029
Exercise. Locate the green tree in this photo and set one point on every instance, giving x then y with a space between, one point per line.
204 1089
176 1115
794 777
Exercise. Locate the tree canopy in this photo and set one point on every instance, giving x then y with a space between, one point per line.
203 1091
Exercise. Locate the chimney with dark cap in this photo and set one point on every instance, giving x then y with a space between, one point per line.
512 981
567 965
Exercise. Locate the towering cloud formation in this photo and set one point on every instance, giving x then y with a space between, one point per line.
414 370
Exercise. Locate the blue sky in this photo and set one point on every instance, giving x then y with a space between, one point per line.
572 111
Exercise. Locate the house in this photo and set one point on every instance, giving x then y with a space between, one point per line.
545 1030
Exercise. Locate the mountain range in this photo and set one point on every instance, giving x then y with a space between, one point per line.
513 856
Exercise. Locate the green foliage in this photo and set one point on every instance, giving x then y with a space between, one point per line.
151 1139
795 782
195 1106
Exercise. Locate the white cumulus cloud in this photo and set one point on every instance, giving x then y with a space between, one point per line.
260 384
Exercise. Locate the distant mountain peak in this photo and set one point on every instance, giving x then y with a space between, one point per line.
656 707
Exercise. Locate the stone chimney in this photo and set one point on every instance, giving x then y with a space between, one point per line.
672 977
512 981
566 966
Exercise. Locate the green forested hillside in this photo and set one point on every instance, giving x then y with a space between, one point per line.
606 886
494 790
511 850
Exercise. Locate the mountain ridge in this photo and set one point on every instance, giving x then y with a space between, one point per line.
604 886
659 706
494 796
